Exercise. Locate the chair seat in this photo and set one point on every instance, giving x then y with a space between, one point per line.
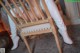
36 28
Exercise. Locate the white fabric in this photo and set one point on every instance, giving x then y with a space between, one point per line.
36 28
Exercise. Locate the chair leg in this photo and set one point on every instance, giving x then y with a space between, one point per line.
57 41
27 45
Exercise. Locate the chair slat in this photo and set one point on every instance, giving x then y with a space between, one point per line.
31 7
31 12
46 9
13 11
34 23
8 13
25 9
19 11
39 9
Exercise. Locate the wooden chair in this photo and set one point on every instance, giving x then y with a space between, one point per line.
30 20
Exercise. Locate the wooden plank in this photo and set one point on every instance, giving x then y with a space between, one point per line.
31 7
46 9
19 11
39 9
26 43
34 23
8 12
13 12
25 10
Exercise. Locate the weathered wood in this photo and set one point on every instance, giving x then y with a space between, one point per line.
31 8
26 42
31 12
26 11
13 11
8 12
19 11
34 23
39 9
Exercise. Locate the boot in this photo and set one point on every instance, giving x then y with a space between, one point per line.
15 40
65 36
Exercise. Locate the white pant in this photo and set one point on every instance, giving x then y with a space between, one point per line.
14 36
58 20
55 14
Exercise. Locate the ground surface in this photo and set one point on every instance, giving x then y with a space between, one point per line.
46 43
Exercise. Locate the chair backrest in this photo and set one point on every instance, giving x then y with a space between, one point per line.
27 12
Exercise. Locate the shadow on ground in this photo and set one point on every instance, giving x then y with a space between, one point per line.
46 43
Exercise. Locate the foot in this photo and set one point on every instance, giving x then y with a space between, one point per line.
15 42
68 40
65 36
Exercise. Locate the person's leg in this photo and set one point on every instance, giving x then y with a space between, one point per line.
14 36
58 20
